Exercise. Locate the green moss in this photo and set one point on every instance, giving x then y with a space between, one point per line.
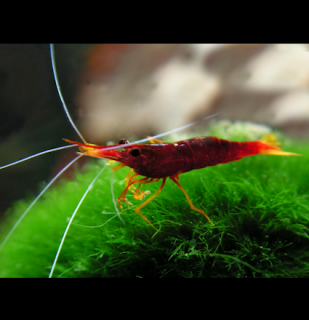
259 206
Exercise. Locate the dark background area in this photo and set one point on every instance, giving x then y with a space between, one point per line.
31 118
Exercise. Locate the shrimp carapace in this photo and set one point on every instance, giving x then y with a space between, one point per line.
162 160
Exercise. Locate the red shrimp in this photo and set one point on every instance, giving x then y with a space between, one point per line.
162 160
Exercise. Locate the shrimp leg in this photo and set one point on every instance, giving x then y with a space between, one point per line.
124 192
148 200
153 140
134 190
138 195
175 178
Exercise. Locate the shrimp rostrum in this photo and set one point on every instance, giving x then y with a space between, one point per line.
159 160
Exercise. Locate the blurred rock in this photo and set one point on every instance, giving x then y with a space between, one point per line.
155 88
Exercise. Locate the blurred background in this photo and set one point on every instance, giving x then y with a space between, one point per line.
123 90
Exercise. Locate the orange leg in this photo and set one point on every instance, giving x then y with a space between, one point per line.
147 201
137 195
175 178
127 178
118 166
124 192
151 140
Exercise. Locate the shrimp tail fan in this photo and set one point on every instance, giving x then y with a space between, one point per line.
271 146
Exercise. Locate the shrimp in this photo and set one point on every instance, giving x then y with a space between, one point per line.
168 160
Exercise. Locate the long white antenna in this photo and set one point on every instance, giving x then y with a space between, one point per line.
113 198
60 94
71 220
180 128
163 134
35 200
34 155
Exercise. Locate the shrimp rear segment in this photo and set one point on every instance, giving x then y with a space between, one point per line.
162 160
210 151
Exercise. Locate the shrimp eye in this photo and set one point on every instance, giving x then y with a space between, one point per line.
123 141
135 152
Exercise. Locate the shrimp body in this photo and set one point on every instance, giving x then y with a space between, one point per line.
163 160
169 159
